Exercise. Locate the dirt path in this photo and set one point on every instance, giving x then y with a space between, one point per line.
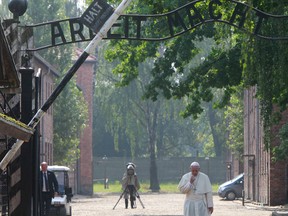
157 205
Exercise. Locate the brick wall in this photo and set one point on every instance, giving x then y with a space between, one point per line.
48 76
264 181
85 80
278 170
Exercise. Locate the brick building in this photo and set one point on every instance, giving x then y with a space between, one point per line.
48 74
265 181
86 81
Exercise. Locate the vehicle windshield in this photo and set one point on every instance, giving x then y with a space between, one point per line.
60 179
237 177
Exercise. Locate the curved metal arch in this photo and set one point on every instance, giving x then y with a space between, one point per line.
165 16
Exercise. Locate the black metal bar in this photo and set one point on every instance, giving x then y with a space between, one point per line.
260 14
26 150
36 152
64 81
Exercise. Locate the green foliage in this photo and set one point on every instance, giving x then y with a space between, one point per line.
166 187
265 66
70 116
175 72
4 11
236 59
280 152
45 11
234 115
122 118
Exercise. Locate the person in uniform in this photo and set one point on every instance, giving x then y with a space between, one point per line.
130 185
197 187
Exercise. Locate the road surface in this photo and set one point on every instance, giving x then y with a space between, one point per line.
158 205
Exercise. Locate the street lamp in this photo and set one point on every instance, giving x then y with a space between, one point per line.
18 7
207 159
105 171
229 168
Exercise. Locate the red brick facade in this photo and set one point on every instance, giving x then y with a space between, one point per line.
85 80
278 171
47 77
265 181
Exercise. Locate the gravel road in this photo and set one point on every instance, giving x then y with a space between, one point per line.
158 205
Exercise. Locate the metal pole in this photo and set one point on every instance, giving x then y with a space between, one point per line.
243 197
89 49
26 158
36 153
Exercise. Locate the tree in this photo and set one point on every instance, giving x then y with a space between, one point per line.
4 11
235 123
265 64
149 128
217 125
176 74
70 117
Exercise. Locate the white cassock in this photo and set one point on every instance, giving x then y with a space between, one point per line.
198 195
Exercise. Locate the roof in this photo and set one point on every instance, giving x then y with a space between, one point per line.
47 64
90 58
14 128
58 168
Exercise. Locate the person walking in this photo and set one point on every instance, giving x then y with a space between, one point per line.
48 187
197 187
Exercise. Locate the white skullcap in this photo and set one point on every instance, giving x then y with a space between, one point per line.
195 164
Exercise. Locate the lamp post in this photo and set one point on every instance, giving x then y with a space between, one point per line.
105 171
229 168
207 159
18 8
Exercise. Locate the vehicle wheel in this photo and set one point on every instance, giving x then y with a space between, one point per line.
230 195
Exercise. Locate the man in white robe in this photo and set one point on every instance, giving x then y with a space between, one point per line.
197 187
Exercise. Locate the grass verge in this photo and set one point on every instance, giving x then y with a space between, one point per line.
115 187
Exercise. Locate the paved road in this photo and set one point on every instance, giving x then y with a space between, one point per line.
158 205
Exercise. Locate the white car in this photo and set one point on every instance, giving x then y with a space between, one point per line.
60 205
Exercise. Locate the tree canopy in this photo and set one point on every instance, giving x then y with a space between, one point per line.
236 59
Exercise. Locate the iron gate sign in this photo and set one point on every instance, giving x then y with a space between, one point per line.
165 26
96 15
